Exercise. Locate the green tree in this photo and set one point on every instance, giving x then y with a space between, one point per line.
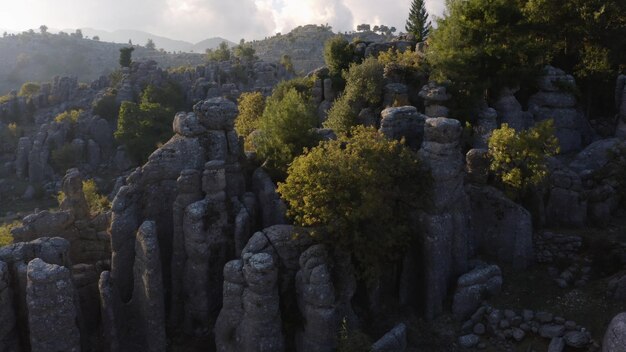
222 53
482 46
251 106
287 63
286 130
358 194
244 51
142 127
126 56
150 45
338 54
106 106
43 29
519 159
364 88
418 23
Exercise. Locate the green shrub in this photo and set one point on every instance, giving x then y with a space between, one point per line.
286 126
70 116
6 238
338 54
358 194
519 158
222 53
126 56
97 202
364 88
251 106
106 107
28 89
65 158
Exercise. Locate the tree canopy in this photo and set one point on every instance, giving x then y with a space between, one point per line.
418 23
358 193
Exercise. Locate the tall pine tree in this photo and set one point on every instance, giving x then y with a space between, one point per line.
418 23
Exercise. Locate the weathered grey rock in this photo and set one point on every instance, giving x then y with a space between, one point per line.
403 122
74 201
148 303
396 94
21 160
510 110
52 312
122 160
444 226
477 165
187 125
273 209
551 330
469 341
316 301
93 153
473 288
9 341
557 344
566 206
487 122
329 92
595 156
576 339
216 113
500 227
435 98
615 336
395 340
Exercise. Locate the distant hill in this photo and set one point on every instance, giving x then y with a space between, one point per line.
305 45
141 38
38 58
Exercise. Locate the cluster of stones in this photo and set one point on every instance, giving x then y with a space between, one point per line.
504 326
574 275
551 247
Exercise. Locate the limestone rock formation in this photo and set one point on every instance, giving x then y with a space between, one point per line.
403 122
510 111
52 313
445 224
500 227
8 330
394 340
482 282
615 336
554 101
272 208
435 98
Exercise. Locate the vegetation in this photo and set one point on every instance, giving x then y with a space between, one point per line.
244 51
9 136
418 23
70 116
141 127
97 202
286 130
484 45
338 55
519 158
407 66
364 87
66 157
6 238
126 56
222 53
29 89
150 45
287 63
251 106
358 193
106 107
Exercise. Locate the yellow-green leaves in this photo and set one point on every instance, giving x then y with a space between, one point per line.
519 158
359 193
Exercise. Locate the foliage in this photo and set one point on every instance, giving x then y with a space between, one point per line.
66 157
70 116
418 23
358 193
483 46
352 340
287 63
97 202
286 126
244 51
222 53
364 87
519 158
408 66
29 89
338 55
106 107
150 45
302 85
251 106
9 137
116 77
141 127
126 56
6 238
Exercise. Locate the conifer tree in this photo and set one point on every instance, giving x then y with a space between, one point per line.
418 23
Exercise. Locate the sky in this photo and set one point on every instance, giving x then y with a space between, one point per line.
195 20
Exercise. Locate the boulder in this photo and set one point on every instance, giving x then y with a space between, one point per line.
403 123
615 336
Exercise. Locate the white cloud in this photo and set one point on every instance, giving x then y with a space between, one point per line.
195 20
